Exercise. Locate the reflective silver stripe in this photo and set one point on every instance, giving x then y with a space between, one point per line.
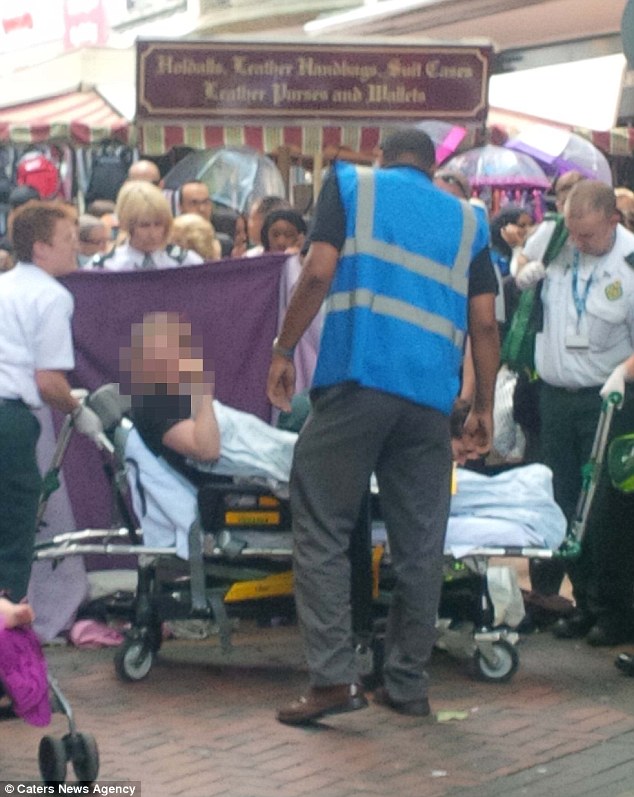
396 308
469 224
364 222
455 278
417 264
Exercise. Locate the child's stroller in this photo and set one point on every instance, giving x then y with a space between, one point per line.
35 694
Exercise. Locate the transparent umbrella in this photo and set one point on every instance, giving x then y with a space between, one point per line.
235 176
499 167
559 151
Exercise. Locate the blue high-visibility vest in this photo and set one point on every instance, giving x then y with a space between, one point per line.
396 312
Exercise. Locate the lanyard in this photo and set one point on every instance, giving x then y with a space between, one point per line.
580 301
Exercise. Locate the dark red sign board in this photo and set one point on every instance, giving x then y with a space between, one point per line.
234 81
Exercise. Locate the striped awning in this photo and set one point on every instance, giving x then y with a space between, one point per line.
79 117
307 139
156 139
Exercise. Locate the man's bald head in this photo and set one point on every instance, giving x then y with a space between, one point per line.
145 170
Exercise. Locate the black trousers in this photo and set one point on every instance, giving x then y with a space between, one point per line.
20 484
603 575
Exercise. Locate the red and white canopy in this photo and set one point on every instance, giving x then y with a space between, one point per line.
158 138
79 118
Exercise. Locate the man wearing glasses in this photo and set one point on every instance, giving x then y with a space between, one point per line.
194 198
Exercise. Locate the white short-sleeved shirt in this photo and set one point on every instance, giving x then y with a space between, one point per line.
607 323
127 258
35 330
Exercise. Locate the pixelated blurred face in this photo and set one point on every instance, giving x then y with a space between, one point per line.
283 235
148 234
592 232
195 199
164 352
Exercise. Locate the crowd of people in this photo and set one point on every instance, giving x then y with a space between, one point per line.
418 290
141 230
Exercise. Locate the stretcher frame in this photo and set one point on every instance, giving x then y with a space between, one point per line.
492 651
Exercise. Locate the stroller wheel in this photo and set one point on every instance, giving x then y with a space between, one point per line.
85 758
133 660
499 667
52 760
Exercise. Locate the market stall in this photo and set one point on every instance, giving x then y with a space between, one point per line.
66 127
302 103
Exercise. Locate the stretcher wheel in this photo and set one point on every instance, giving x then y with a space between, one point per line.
503 666
133 660
52 760
85 758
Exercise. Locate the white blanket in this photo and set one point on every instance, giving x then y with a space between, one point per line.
515 508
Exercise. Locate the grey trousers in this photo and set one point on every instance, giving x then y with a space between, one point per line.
351 433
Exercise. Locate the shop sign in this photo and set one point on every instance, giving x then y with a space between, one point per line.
248 81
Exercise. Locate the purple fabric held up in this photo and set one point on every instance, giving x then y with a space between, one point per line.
233 306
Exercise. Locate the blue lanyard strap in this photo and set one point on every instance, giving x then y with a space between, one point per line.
580 301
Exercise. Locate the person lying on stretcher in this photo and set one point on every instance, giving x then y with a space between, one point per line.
177 417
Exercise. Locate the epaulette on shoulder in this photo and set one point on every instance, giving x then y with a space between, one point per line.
100 260
177 252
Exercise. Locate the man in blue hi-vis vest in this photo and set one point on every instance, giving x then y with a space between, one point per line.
405 273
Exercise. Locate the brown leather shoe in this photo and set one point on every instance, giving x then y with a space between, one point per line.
411 708
321 701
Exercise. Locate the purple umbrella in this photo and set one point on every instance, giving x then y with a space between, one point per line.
499 167
560 151
445 135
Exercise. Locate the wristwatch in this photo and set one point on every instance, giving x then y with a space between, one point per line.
283 352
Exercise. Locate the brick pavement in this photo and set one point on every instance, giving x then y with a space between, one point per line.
202 725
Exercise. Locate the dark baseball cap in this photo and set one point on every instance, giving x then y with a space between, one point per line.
21 195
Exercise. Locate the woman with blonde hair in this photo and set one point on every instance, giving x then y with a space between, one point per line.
145 222
191 231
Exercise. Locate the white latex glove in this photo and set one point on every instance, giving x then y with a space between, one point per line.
88 422
530 275
615 383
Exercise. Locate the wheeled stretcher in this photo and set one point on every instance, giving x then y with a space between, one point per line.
220 547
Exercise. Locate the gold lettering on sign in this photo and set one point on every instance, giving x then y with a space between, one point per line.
308 67
434 69
268 68
349 96
238 94
168 65
283 94
379 92
395 68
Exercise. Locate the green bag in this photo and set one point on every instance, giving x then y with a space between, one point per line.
518 347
